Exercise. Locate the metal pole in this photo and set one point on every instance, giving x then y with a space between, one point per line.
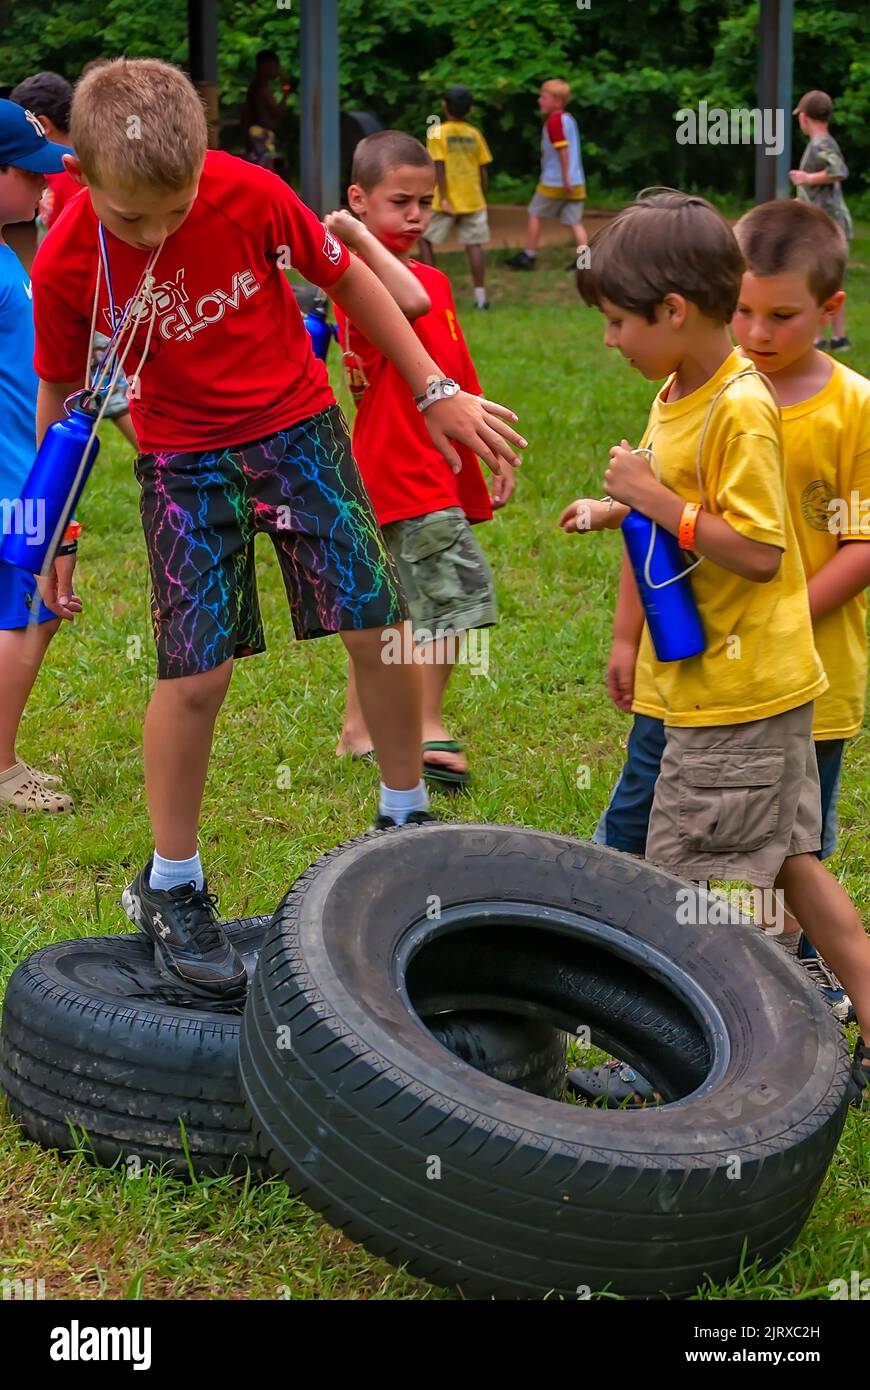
319 141
775 95
202 37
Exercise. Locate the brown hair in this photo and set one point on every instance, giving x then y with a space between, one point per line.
787 236
388 149
664 242
138 121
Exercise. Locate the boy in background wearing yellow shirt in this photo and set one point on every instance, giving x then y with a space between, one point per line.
460 154
737 795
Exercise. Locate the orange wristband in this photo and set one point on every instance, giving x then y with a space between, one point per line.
688 522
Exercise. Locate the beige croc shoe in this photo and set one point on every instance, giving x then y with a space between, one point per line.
23 789
48 779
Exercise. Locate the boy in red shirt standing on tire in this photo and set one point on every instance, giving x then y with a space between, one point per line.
426 510
182 250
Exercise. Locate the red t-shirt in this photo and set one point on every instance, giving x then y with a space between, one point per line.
230 359
405 475
59 189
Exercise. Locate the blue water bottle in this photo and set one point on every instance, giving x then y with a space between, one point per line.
320 330
671 611
52 489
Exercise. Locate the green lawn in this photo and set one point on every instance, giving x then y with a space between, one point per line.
531 726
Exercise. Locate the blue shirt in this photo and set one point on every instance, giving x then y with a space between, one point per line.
18 380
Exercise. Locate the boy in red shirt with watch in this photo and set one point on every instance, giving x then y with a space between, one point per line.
182 249
426 510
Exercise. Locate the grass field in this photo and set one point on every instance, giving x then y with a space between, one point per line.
530 726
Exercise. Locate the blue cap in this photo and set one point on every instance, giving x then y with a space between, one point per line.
23 142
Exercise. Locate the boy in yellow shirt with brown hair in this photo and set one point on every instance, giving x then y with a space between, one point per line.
460 154
737 794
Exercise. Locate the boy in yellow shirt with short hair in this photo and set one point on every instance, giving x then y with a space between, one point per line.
737 795
460 154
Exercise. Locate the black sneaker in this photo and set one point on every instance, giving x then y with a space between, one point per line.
859 1081
521 261
190 946
415 818
840 345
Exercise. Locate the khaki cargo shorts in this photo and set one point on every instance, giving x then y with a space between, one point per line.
735 802
447 580
472 228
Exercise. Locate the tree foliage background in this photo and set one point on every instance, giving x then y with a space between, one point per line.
631 64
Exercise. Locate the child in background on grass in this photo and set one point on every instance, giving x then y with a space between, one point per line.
239 433
795 260
26 157
668 277
460 154
49 97
425 509
819 180
561 190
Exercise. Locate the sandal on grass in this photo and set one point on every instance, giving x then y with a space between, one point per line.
859 1083
25 790
616 1083
437 773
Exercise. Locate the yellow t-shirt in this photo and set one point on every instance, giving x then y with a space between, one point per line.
826 442
760 659
463 149
827 460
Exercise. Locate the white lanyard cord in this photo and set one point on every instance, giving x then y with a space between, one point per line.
127 321
654 464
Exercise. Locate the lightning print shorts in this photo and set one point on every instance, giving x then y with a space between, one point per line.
201 513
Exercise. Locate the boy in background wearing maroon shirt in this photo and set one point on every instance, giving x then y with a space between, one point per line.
425 509
239 433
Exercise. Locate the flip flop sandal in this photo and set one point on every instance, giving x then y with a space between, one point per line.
24 791
616 1083
859 1085
368 757
437 773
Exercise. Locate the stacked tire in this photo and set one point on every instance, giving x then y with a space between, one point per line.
401 1064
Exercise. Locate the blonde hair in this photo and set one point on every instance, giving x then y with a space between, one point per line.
557 88
138 121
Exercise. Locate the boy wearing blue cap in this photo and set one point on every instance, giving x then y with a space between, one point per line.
25 158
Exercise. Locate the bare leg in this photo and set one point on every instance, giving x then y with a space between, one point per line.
21 653
425 252
179 726
579 233
125 425
390 699
437 661
832 924
355 737
533 231
475 261
838 323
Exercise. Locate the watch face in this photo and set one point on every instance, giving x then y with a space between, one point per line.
450 388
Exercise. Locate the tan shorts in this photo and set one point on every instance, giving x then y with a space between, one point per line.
736 801
472 228
568 211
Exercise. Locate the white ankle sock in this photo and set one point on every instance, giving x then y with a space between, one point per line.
399 804
169 873
531 254
479 294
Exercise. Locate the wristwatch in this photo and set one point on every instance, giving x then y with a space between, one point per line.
440 389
